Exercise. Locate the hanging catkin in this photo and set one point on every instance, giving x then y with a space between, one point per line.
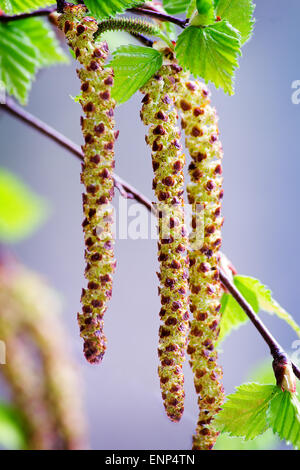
97 174
168 160
199 120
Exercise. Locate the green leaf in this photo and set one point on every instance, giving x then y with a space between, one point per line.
173 7
25 46
18 61
210 53
44 40
266 441
23 6
259 297
12 435
21 211
244 414
239 13
284 417
133 67
103 9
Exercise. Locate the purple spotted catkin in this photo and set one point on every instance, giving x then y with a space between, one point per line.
199 120
97 174
168 160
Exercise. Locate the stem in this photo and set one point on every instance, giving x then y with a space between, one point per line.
158 16
131 192
276 350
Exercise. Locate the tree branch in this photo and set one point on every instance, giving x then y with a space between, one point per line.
17 111
158 16
137 11
22 16
131 192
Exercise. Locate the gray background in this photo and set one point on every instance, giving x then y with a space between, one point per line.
260 133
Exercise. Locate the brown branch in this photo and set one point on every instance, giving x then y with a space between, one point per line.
158 16
129 191
22 16
17 111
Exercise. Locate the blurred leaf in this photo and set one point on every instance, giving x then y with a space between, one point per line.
191 8
244 413
239 13
210 53
21 211
174 7
133 67
23 6
103 9
284 417
12 435
43 38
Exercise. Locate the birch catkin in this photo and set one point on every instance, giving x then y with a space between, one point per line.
168 160
200 123
97 174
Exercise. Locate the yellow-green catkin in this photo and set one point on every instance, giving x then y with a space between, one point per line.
200 123
168 160
39 371
97 174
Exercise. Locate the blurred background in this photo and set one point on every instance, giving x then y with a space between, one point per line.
259 129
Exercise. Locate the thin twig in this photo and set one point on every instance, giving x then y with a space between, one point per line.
137 11
17 111
129 191
158 16
22 16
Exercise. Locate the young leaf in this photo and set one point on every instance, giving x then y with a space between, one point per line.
103 9
44 40
210 53
266 441
21 211
284 417
251 286
244 414
259 297
12 434
23 6
173 7
133 67
239 13
18 61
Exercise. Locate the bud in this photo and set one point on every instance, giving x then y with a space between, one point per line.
285 377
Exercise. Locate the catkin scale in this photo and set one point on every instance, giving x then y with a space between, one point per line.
200 123
168 160
97 174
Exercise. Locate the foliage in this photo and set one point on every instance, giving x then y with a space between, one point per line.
133 67
21 211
